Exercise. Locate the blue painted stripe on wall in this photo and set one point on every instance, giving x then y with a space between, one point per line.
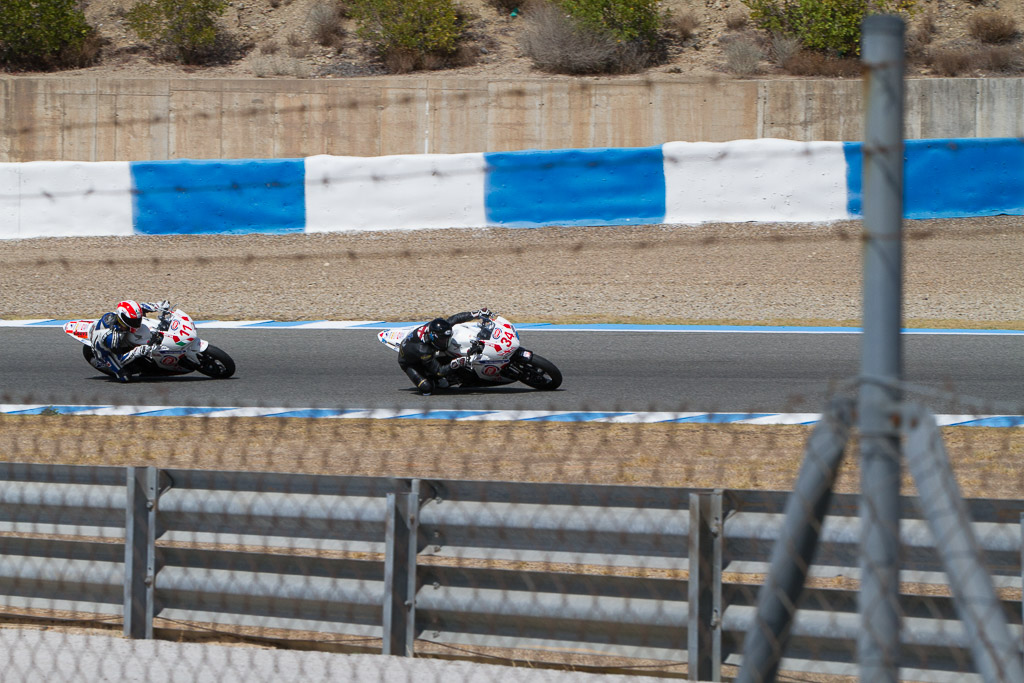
223 196
950 178
854 178
964 177
575 187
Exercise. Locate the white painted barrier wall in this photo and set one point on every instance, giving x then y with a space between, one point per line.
762 180
395 192
755 180
65 198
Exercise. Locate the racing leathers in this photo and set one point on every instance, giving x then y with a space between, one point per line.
427 366
116 347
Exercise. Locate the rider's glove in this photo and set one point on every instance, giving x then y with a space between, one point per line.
139 352
460 362
164 306
483 312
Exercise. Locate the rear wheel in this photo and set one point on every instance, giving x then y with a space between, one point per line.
214 362
540 373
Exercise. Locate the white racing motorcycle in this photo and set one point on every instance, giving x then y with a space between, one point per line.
498 356
181 350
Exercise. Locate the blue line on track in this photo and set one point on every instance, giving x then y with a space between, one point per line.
546 327
751 419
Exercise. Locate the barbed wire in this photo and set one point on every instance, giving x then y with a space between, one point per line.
349 103
346 103
683 236
531 161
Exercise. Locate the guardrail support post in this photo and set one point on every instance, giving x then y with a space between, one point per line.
140 551
400 581
704 626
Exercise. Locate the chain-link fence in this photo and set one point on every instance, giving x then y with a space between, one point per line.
560 546
630 525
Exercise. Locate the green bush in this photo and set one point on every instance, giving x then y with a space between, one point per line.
823 25
44 34
408 33
626 21
187 29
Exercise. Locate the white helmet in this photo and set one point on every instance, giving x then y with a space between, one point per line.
129 315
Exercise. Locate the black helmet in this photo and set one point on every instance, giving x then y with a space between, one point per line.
439 333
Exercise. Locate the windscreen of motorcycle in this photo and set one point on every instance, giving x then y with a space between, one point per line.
499 344
181 332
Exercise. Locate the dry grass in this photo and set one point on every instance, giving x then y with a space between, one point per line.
743 57
784 48
806 63
987 462
993 28
1001 59
951 62
267 65
556 43
683 26
326 23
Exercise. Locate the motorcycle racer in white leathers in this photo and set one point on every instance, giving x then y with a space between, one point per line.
113 346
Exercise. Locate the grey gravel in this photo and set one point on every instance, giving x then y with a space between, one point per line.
958 272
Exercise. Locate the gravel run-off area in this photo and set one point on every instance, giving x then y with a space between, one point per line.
958 273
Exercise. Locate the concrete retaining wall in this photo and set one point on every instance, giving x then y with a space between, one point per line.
85 119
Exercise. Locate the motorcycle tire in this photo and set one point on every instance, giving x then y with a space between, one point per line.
540 373
215 363
88 354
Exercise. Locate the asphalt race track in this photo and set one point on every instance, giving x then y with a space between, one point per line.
604 371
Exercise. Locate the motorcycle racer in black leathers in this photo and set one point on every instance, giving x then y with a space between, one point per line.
430 353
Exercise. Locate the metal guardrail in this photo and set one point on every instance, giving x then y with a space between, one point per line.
464 562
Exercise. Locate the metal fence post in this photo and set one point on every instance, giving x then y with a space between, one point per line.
996 653
793 553
704 623
881 356
400 581
140 551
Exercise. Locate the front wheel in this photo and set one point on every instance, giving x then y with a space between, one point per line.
216 363
540 373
